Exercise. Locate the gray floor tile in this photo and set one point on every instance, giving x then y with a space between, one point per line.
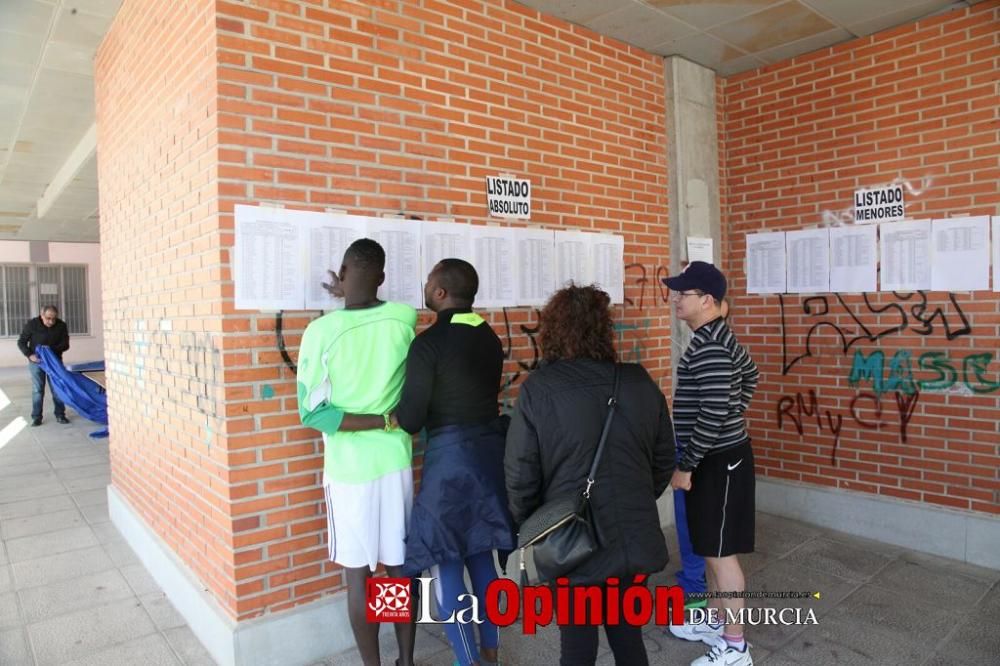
886 549
91 497
914 580
14 648
120 552
17 458
60 541
150 650
38 603
162 612
775 659
951 659
989 605
840 559
8 470
88 483
873 625
975 639
188 647
3 554
783 576
8 495
139 579
810 648
973 571
430 649
81 634
64 566
6 579
778 536
15 528
96 513
30 480
36 506
85 460
100 468
106 532
753 562
10 616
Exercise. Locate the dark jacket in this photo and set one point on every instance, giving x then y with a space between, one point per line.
551 443
35 334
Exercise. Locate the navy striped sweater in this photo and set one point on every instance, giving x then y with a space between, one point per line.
715 380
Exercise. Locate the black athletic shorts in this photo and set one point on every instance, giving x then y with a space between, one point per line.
720 504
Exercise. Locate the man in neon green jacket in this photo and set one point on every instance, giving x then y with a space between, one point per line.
350 375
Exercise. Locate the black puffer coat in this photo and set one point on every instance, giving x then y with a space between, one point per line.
551 443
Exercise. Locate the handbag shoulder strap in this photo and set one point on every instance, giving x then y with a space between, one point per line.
612 403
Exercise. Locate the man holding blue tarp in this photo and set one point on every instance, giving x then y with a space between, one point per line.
49 331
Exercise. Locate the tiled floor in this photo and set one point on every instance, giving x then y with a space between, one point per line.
72 592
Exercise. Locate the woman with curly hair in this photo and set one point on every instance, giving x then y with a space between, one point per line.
551 444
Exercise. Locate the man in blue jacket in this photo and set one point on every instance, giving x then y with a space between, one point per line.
48 330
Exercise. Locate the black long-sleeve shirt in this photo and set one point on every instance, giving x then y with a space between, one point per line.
35 334
453 372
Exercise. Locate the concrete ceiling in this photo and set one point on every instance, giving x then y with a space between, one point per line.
732 36
48 170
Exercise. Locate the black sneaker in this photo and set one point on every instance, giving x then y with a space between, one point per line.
36 422
62 419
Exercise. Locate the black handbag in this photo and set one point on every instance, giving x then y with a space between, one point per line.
561 532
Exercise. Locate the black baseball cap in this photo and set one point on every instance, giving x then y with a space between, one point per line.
702 276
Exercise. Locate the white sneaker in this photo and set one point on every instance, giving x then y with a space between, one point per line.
701 631
724 655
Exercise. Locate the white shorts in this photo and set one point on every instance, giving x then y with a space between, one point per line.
367 521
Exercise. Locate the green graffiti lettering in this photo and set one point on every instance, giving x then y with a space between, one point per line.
937 362
868 369
976 365
901 374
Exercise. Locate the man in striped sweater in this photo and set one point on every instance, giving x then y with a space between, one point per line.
715 380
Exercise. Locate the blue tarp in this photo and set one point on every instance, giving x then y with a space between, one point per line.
80 393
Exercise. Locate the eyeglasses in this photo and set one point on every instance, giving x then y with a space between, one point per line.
681 294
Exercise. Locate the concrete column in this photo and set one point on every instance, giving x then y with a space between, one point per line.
692 170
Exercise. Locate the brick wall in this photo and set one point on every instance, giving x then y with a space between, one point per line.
405 108
917 103
160 258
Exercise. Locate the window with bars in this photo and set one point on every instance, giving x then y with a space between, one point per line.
26 289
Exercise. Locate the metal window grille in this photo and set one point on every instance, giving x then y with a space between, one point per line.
26 289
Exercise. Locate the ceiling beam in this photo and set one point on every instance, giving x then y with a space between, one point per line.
67 172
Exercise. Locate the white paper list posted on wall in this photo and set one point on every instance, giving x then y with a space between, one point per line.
853 259
961 254
535 263
268 270
329 237
572 258
808 253
401 241
444 240
995 224
494 249
905 255
281 258
607 260
766 263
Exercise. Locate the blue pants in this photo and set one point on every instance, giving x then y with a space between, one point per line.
451 584
38 378
691 577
